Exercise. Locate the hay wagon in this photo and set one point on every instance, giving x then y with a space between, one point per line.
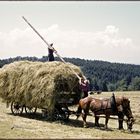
50 86
60 112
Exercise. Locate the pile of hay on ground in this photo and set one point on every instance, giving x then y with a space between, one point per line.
38 84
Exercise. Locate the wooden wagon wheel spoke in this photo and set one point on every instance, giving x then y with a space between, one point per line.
61 114
16 108
30 110
66 115
56 115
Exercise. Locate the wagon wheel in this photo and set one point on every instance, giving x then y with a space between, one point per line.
56 115
63 115
16 108
30 110
66 114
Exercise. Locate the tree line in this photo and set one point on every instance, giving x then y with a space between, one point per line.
104 76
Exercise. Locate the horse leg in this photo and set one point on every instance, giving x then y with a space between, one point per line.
106 121
78 112
120 120
84 116
96 121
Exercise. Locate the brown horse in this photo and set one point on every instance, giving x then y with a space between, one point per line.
119 106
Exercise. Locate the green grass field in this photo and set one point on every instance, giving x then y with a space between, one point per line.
27 127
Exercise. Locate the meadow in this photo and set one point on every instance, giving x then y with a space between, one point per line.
36 126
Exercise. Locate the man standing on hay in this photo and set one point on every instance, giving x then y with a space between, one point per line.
50 53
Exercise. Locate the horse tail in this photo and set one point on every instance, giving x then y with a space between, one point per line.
79 111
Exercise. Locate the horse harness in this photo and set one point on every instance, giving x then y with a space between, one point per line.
113 103
105 103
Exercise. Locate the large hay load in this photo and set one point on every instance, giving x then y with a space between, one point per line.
38 84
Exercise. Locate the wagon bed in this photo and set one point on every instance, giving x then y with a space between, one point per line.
61 111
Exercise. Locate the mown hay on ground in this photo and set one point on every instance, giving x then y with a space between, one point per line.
38 84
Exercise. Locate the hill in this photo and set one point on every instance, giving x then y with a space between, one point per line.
103 75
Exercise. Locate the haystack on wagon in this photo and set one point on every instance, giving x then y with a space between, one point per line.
32 85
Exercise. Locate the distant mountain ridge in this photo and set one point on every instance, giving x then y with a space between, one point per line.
103 75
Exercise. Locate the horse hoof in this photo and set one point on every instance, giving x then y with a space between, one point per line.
85 126
105 127
130 131
97 125
121 129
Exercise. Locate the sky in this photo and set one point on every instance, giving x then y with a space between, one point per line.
93 30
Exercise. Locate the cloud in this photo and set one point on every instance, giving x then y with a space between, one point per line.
111 30
105 45
53 27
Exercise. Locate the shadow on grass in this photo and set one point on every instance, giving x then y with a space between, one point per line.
70 122
135 132
36 116
79 123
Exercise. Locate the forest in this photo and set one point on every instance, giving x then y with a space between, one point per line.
103 76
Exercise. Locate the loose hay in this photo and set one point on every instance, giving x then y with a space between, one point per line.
38 84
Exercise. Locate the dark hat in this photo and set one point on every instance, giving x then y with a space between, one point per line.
51 44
